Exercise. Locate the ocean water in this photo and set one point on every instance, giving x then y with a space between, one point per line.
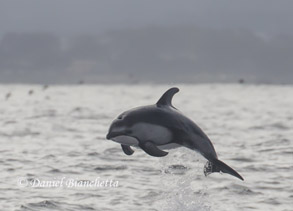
53 144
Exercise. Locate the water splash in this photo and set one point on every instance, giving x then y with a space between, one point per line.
178 176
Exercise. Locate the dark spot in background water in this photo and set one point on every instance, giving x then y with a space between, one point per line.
64 137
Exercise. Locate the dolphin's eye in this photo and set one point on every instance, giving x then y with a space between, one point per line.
120 117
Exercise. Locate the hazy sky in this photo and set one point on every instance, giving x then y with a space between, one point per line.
84 16
154 40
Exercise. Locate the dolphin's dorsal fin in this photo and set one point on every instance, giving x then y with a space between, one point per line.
166 99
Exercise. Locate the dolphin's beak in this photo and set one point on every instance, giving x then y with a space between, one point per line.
108 136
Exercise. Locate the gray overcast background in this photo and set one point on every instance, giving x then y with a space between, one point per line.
64 41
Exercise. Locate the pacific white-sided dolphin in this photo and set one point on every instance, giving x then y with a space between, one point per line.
161 126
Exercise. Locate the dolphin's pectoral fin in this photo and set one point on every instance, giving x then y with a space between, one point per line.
151 149
166 99
127 150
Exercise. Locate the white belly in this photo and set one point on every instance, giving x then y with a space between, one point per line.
130 141
149 132
126 140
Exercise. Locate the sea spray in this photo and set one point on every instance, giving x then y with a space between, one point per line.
179 171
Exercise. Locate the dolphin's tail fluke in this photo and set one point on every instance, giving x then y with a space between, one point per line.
218 166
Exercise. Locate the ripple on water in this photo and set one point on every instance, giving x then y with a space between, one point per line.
112 154
277 126
47 205
243 159
243 190
271 201
110 168
146 170
112 150
49 156
74 154
55 171
94 154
